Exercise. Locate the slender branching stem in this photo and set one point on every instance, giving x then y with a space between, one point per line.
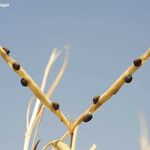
45 101
73 146
58 144
112 90
34 88
71 138
37 110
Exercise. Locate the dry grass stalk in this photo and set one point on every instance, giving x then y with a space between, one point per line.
112 90
66 134
34 88
93 147
45 102
144 140
74 138
36 130
56 81
47 70
57 144
38 108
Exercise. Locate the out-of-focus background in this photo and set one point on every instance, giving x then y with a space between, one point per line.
104 37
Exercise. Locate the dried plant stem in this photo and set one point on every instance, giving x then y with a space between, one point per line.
34 118
112 90
56 81
47 70
28 130
71 138
36 131
39 111
144 140
43 100
28 111
93 147
66 134
40 107
34 88
73 144
58 144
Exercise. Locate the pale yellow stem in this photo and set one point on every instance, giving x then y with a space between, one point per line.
144 140
74 138
47 70
38 108
34 117
112 90
28 111
52 88
34 88
57 79
36 130
93 147
59 145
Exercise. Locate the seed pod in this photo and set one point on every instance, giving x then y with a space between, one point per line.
16 66
137 62
87 117
95 99
24 82
6 50
55 105
128 79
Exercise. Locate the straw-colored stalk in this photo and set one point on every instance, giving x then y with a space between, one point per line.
66 134
93 147
74 138
47 70
144 140
56 81
38 108
112 90
34 88
57 144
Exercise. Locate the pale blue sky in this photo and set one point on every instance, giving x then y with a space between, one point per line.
104 37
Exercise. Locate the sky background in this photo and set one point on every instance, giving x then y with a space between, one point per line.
104 37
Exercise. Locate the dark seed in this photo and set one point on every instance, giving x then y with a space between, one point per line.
95 99
16 66
55 105
128 79
24 82
88 117
137 62
6 50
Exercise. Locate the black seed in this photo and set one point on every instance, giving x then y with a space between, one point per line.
24 82
95 99
88 117
137 62
6 50
16 66
128 79
55 105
